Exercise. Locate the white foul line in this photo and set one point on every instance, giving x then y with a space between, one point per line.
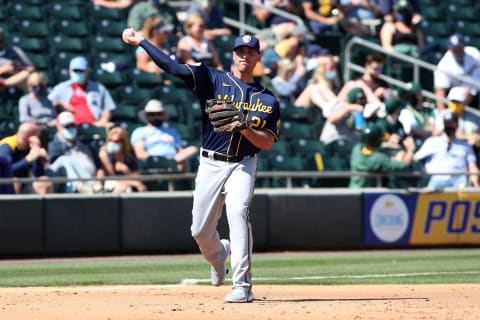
361 276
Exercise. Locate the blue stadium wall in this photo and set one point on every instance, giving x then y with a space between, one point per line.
62 225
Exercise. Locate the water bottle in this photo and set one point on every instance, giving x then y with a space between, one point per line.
358 120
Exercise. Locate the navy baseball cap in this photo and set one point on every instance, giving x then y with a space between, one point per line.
456 40
247 41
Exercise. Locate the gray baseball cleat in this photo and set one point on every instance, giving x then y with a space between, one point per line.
218 273
240 295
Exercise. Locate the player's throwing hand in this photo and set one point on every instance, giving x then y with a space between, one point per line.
131 36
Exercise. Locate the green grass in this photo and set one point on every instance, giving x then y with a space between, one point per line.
361 267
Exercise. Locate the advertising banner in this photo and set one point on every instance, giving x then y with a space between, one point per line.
422 218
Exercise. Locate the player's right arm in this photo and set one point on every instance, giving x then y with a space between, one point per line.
162 60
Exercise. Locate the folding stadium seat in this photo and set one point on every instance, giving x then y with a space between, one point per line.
60 10
281 147
307 147
88 132
111 80
39 60
289 111
100 12
292 163
30 43
32 28
175 113
434 13
125 112
132 95
108 28
340 148
468 27
185 131
71 28
69 44
436 28
145 80
295 130
62 58
172 94
24 11
459 12
108 44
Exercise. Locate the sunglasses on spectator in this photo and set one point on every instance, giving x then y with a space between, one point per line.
78 71
69 126
115 141
155 113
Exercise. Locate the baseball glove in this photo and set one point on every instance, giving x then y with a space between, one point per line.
224 117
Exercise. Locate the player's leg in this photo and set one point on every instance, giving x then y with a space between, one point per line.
239 193
208 200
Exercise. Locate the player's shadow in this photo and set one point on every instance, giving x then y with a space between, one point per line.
336 299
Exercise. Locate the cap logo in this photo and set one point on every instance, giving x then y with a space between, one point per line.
246 38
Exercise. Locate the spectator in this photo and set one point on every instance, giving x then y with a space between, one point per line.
449 155
459 60
345 120
361 17
157 32
213 16
71 158
322 17
366 157
140 11
391 126
274 26
159 139
322 86
468 121
292 47
418 119
6 172
36 107
117 158
387 7
401 35
22 151
116 4
87 99
194 47
15 66
375 88
288 81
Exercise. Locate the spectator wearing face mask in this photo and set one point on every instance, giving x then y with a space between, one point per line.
460 59
88 100
36 107
468 121
375 88
157 138
117 158
71 158
449 155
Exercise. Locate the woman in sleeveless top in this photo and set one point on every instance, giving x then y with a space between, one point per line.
194 48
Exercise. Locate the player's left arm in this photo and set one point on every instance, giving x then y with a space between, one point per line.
261 139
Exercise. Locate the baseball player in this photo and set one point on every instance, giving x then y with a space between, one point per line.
241 117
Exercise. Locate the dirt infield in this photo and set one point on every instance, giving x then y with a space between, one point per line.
272 302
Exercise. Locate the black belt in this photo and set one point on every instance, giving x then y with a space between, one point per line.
223 157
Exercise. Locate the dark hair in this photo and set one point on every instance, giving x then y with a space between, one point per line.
374 57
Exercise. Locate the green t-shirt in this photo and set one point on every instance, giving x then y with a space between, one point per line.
140 11
375 162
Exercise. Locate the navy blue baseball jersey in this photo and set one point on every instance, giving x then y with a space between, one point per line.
258 104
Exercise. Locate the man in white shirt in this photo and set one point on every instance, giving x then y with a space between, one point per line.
447 154
459 60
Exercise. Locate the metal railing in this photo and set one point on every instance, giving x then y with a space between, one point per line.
242 25
415 62
289 176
